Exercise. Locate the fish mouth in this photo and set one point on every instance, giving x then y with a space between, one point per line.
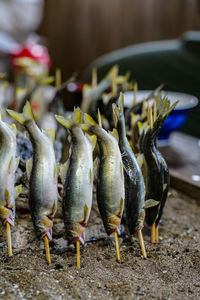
75 232
43 227
7 215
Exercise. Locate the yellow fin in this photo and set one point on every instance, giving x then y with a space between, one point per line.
89 120
7 197
121 102
150 203
50 133
73 121
115 114
14 128
26 115
140 160
164 187
155 158
10 163
29 164
115 134
17 163
121 208
121 169
92 139
90 175
18 190
86 213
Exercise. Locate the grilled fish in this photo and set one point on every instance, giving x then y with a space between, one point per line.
43 174
9 165
78 179
110 183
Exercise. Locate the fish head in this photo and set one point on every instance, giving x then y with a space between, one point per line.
75 232
112 224
43 226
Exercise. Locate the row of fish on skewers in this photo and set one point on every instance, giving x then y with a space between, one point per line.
116 160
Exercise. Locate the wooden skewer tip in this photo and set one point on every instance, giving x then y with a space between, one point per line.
78 254
117 247
9 239
48 257
144 254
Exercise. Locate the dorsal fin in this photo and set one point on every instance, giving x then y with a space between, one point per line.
14 128
50 133
7 197
99 118
115 134
18 190
92 139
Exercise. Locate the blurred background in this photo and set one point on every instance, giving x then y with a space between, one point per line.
78 32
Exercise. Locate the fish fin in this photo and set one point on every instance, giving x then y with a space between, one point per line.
7 197
106 98
113 70
150 203
14 128
18 190
169 109
155 158
164 187
134 119
50 133
85 215
121 103
90 176
140 160
29 164
54 208
121 208
89 120
26 115
46 80
10 163
57 169
99 118
63 170
115 114
86 212
140 127
115 134
92 139
70 122
17 163
121 169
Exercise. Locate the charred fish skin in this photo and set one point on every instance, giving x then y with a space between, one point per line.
154 178
43 174
7 172
78 182
110 183
134 182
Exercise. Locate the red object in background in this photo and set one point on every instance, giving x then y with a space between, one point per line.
32 50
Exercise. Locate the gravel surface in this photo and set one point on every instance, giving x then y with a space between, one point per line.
171 271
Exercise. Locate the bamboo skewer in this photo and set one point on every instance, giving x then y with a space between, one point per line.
114 83
9 239
58 78
117 247
153 233
157 234
144 113
135 90
154 111
142 244
94 78
78 254
99 118
48 257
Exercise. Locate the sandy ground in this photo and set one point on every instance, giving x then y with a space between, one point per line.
172 270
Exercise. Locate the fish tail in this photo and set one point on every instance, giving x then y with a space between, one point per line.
23 117
88 123
68 123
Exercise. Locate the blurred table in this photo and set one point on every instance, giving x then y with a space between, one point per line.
183 159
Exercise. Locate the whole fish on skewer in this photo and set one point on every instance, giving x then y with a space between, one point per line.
135 192
110 184
157 173
78 180
42 171
9 165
